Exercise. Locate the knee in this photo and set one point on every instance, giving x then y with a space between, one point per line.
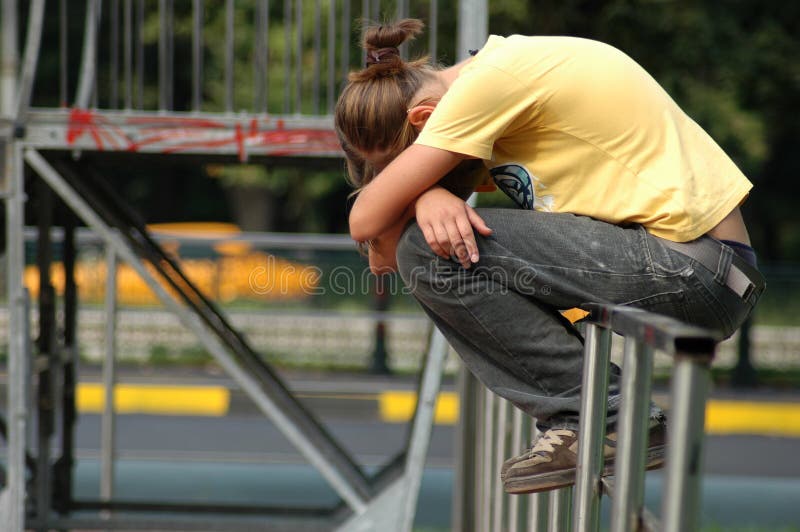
413 252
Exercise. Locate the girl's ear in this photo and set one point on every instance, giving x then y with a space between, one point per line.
419 114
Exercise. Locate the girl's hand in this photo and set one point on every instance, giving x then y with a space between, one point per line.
447 222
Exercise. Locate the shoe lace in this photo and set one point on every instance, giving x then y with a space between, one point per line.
552 437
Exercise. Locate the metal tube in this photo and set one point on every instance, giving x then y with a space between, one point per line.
681 495
13 512
229 17
346 9
197 53
89 56
594 401
516 440
473 25
538 505
422 426
63 67
298 87
287 55
260 58
466 453
108 421
33 38
632 429
560 503
433 30
140 54
331 82
500 437
9 60
162 55
315 82
401 13
488 446
127 52
113 96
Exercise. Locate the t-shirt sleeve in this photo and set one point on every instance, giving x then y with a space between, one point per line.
477 109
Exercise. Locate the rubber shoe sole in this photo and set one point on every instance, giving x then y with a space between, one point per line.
566 477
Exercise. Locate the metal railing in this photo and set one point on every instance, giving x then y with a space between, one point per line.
492 430
299 54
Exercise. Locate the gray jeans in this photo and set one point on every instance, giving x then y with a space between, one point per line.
502 314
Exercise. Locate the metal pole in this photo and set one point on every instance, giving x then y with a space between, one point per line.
516 441
127 51
113 96
298 87
315 83
63 67
487 476
8 61
500 434
346 8
681 496
287 55
108 422
197 53
423 424
433 30
473 26
632 429
89 56
260 59
594 401
229 56
331 81
560 502
466 455
13 512
140 54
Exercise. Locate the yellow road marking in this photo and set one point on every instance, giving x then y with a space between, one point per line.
398 407
165 400
722 417
753 417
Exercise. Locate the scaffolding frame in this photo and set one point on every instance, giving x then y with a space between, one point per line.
38 491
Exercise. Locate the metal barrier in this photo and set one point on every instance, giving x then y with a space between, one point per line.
492 430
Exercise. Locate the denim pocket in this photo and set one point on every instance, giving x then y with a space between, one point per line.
664 261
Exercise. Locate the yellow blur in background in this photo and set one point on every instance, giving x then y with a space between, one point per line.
237 272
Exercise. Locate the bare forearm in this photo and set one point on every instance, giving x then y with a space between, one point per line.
383 250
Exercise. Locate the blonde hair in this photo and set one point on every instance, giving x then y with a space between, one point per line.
372 111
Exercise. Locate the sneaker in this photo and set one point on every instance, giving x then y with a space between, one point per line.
551 462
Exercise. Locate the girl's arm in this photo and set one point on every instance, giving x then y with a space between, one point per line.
383 250
382 202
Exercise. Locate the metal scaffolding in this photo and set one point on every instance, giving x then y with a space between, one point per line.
288 118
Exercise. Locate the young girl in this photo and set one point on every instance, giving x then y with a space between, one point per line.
623 199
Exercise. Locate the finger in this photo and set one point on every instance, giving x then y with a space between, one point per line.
477 222
458 244
468 237
443 239
433 242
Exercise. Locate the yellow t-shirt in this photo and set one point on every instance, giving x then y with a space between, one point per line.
573 125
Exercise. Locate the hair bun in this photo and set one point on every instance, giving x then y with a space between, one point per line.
377 37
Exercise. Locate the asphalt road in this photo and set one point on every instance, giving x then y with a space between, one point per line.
752 482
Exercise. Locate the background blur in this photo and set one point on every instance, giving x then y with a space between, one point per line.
349 343
732 65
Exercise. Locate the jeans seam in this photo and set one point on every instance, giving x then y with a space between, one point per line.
503 347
